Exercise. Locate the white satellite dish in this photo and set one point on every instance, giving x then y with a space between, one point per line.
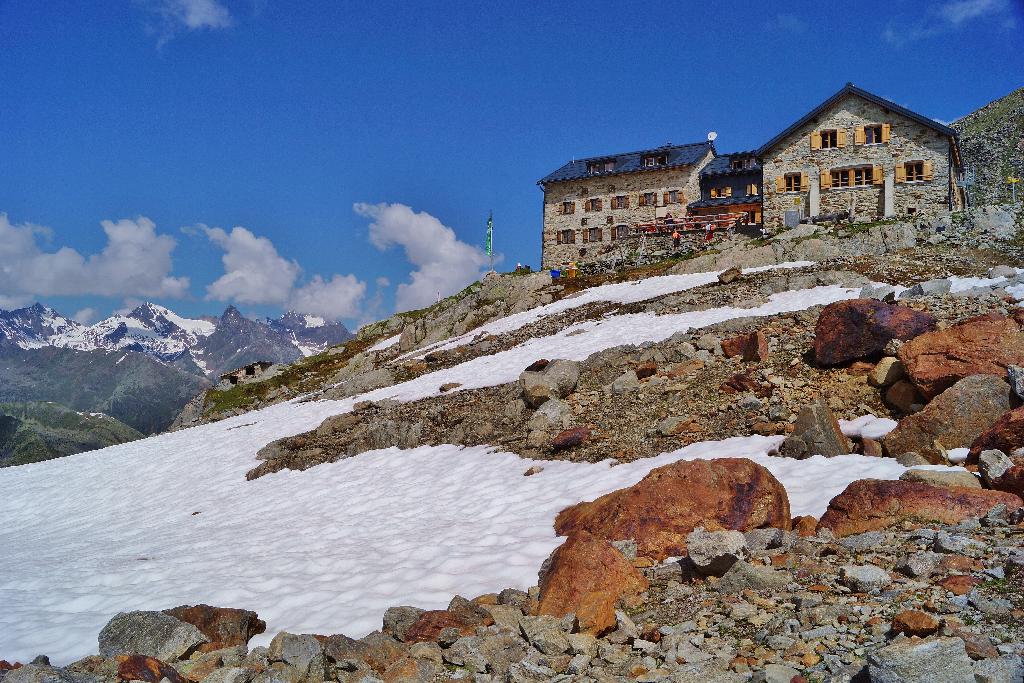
711 136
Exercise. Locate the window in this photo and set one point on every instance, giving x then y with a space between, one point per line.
793 182
597 167
583 221
872 135
719 192
829 139
753 217
841 178
593 235
620 202
594 204
620 232
652 160
648 199
914 171
862 176
609 220
672 197
566 236
568 207
752 189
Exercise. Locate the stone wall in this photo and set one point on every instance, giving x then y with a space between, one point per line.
909 141
684 179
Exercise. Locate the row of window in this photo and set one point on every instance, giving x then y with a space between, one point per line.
622 201
608 165
617 232
720 192
832 138
857 176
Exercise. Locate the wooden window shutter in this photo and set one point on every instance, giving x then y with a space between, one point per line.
558 237
728 191
858 136
816 140
852 175
841 137
780 183
625 202
586 235
825 180
803 182
901 173
600 234
664 199
886 132
615 233
929 171
877 175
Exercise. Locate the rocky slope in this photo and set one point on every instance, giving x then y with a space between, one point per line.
992 141
36 431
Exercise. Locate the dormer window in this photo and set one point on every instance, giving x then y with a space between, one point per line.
653 160
741 163
598 167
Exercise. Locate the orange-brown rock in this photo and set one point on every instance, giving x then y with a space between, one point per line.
1006 434
871 504
848 330
223 626
954 419
671 501
588 576
984 345
148 669
750 347
805 525
914 622
7 666
409 669
645 370
958 584
570 438
430 624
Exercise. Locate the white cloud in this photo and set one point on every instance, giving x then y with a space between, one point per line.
948 17
192 14
136 261
86 316
255 273
444 265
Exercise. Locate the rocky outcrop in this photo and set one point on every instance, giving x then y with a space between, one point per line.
872 504
152 634
954 419
848 330
588 577
671 501
984 345
222 626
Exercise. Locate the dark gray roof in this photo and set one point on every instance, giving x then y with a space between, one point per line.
851 89
725 201
631 162
722 165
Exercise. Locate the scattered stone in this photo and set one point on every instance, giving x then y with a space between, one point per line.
304 653
904 397
222 626
863 542
545 633
887 372
915 623
864 578
714 552
448 386
398 620
749 347
557 379
993 464
816 432
848 330
920 564
570 438
745 576
673 500
1006 434
952 479
152 634
729 275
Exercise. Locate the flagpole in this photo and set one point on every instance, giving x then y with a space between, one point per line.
490 238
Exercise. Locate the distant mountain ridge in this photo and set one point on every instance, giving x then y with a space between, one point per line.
992 141
206 346
36 431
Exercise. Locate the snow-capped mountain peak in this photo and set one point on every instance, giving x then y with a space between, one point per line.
33 327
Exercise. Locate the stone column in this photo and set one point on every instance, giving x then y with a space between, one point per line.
814 201
890 194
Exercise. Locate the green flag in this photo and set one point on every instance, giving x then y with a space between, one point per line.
490 234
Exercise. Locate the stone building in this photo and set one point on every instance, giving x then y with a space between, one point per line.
253 372
730 183
862 154
592 205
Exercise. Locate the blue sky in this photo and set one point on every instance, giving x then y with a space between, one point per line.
343 156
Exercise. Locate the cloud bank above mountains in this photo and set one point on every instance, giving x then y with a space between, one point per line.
136 263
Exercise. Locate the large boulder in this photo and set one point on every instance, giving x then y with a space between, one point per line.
872 504
1005 434
587 576
222 626
848 330
671 501
985 345
153 634
556 379
816 432
303 652
954 419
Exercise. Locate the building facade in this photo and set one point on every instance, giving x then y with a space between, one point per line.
591 204
861 155
730 183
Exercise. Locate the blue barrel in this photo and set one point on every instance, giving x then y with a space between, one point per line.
555 274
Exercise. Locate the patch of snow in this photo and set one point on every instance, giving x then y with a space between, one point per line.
957 455
199 328
386 343
314 321
868 427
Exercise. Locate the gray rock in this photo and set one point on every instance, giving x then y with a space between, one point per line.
554 414
1015 376
528 672
709 342
775 673
760 540
38 673
513 596
502 652
557 380
1002 271
927 288
625 630
153 634
743 575
864 578
230 674
936 660
959 545
920 565
713 552
993 464
465 652
624 383
879 292
1006 669
816 432
627 547
398 620
911 459
545 633
944 479
303 652
886 372
861 542
578 665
